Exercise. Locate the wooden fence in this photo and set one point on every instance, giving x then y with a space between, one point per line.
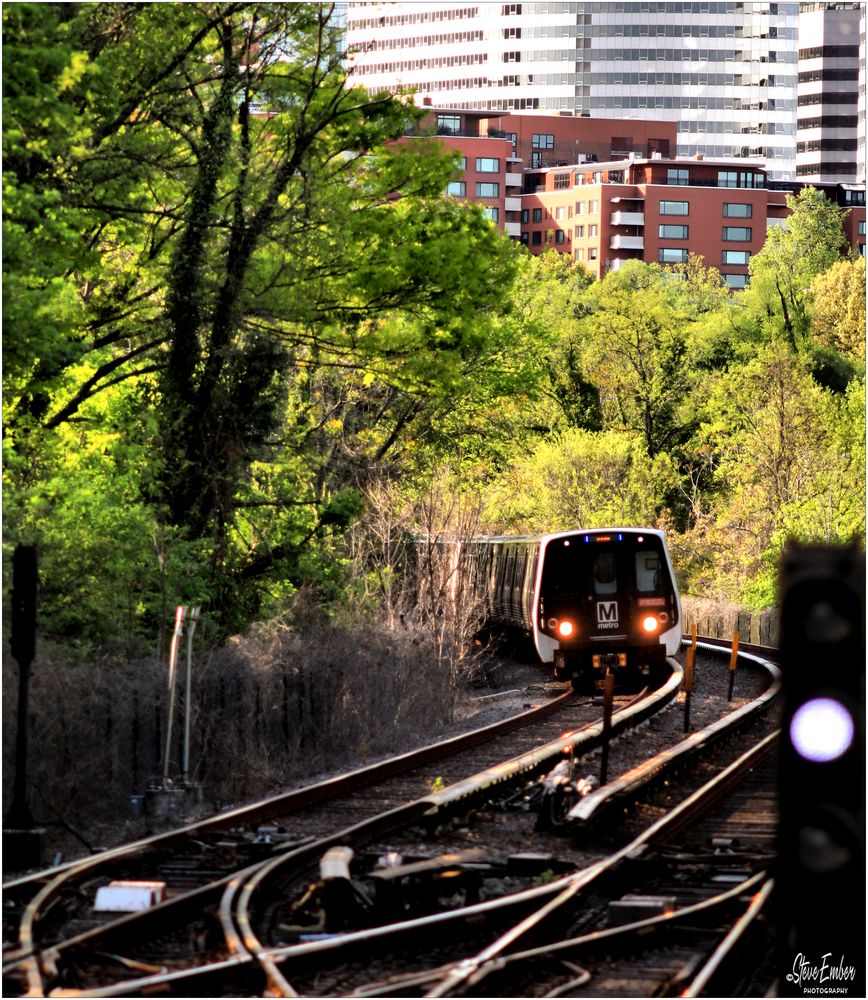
719 620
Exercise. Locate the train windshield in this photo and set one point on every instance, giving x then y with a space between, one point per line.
578 569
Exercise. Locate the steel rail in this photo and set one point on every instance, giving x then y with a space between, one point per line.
637 927
234 917
632 781
27 954
673 821
270 960
724 951
586 736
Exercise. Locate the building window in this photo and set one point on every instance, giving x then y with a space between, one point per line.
537 215
525 216
738 178
579 253
592 253
524 238
861 228
562 181
580 208
672 232
536 159
487 165
592 229
456 188
593 208
669 255
741 257
677 175
559 236
490 212
560 212
487 189
736 280
737 233
597 177
580 232
536 237
737 209
448 124
542 140
674 207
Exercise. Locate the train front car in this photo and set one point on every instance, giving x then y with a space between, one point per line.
606 599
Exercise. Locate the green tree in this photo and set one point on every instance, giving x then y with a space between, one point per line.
254 260
579 478
788 458
635 352
838 308
805 245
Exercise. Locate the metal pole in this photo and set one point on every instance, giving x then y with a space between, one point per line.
180 611
733 658
608 702
194 618
689 663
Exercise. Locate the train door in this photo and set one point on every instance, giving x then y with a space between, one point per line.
608 605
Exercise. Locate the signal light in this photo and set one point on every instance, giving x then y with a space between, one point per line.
821 730
566 629
820 868
649 623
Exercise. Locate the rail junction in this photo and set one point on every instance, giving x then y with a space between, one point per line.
495 863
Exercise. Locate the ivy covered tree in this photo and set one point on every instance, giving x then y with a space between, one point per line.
253 268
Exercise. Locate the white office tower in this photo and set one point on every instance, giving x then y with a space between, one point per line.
726 72
827 129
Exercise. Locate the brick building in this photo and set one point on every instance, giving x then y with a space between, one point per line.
607 191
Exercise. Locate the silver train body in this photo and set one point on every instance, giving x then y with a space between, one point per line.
592 600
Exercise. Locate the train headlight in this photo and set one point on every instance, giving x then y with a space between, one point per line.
566 629
649 623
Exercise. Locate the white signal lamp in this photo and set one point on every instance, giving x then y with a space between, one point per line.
822 730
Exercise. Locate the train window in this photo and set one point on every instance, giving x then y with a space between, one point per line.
605 578
648 575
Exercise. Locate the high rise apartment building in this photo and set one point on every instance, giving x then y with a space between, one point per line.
725 72
829 132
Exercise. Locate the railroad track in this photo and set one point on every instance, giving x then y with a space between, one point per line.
238 961
55 909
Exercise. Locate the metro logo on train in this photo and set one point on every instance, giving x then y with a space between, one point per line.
607 614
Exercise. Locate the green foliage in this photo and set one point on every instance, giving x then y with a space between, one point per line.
582 478
808 243
237 304
791 456
838 309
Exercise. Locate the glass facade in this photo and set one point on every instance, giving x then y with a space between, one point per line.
726 72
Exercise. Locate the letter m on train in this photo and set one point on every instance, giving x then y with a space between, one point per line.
607 611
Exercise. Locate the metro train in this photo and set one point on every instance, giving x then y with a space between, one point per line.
592 600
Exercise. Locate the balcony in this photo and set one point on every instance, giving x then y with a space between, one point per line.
618 242
511 204
512 229
628 219
512 180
